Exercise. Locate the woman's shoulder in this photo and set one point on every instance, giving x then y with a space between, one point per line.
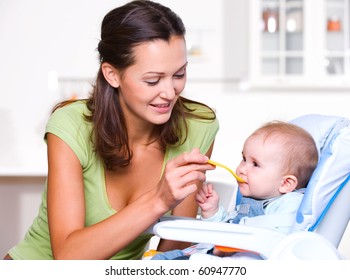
69 123
201 116
75 108
202 127
70 117
199 109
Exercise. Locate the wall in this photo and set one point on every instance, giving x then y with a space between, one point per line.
19 202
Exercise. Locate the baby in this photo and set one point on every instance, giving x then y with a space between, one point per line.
278 160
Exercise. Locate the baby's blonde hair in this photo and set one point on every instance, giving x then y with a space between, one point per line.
301 156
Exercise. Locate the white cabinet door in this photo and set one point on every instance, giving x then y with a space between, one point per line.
299 43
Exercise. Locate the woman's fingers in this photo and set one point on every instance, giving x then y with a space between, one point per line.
182 174
188 167
186 158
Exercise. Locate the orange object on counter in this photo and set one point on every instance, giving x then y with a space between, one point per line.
333 25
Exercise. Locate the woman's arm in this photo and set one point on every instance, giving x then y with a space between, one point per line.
187 208
70 239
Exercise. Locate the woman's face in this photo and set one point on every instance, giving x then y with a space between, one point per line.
261 167
149 89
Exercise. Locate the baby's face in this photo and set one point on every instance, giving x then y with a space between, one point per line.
261 167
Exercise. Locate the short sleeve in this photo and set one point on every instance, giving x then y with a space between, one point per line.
202 133
69 124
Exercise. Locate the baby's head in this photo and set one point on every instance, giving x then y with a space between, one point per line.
278 157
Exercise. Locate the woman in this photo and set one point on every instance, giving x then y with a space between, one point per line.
134 151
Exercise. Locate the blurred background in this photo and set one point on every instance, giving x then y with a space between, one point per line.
251 60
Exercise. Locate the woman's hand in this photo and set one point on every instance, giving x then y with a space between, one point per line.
181 176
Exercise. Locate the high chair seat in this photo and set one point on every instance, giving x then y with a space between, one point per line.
321 219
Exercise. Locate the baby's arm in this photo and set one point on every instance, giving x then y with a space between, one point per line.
208 200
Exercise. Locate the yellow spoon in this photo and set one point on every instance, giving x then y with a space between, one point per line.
239 179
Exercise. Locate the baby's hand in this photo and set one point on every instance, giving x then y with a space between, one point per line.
208 200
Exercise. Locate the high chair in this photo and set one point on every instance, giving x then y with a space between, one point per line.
321 219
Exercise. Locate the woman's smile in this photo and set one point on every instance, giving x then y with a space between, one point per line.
162 108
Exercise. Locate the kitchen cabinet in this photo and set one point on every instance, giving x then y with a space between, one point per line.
300 43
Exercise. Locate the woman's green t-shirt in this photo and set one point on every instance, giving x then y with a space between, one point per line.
69 124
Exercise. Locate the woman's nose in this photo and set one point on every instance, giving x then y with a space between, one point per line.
168 95
168 91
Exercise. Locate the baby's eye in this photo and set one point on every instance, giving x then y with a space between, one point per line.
244 159
255 164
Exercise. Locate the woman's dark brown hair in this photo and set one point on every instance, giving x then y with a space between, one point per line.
122 29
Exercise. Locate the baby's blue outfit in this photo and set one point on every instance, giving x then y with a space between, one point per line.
247 208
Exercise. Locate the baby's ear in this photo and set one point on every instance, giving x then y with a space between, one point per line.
289 183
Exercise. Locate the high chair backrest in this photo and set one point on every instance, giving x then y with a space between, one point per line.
325 208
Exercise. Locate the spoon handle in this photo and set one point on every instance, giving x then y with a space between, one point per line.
239 179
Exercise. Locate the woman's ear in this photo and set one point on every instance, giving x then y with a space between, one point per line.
111 74
289 183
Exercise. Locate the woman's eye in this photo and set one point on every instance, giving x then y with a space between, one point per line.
152 82
179 76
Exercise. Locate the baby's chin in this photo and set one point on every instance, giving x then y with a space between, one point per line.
244 190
